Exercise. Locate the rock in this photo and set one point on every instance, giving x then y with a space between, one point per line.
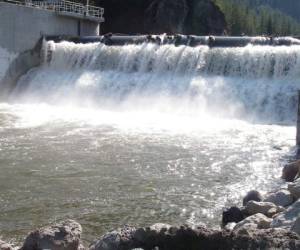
290 171
296 226
163 16
5 246
61 236
266 239
281 198
166 16
205 17
267 208
115 240
294 188
158 227
233 214
252 196
287 218
230 226
202 238
257 221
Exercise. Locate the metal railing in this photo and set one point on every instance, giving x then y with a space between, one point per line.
62 6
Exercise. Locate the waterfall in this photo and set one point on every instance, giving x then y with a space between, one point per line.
257 83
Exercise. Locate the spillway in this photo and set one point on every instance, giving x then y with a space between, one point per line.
143 133
254 82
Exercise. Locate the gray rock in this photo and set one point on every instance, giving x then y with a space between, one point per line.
62 236
252 196
115 240
294 188
230 226
266 208
5 246
296 226
291 171
158 227
287 218
256 221
108 241
184 238
281 198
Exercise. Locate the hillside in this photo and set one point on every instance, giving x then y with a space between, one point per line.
202 17
162 16
260 17
289 7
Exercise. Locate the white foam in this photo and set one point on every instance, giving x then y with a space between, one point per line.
255 82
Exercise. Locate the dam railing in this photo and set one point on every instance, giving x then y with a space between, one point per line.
65 7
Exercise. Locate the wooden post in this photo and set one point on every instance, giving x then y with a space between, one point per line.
298 121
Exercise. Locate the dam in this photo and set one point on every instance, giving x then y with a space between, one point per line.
111 134
22 23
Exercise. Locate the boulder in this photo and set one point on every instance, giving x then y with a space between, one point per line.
159 227
230 226
296 226
252 196
5 246
291 171
267 239
287 218
257 221
62 236
294 188
233 214
267 208
281 198
115 240
202 238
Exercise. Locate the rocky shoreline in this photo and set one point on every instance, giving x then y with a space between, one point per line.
270 222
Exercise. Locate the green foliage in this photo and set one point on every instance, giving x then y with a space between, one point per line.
289 7
258 17
249 17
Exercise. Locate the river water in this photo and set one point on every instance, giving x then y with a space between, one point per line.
140 134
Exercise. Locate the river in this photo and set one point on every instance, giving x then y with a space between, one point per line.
139 134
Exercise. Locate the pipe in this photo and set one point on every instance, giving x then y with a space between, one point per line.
177 40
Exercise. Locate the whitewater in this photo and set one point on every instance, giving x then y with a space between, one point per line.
137 134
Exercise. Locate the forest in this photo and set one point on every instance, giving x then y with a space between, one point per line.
261 17
202 17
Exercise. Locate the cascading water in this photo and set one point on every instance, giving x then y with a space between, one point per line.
110 135
254 82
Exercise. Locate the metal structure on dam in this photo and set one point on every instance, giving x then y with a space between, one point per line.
23 23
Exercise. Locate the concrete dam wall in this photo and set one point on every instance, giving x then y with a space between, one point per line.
22 26
21 30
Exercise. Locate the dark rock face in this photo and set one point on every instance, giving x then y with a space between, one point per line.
62 236
252 196
199 17
233 214
185 238
205 18
166 16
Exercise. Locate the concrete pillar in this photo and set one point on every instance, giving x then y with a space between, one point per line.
298 121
